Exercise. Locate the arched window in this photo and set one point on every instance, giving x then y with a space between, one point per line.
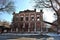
21 18
32 17
26 18
38 17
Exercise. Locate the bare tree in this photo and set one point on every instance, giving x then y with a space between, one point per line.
7 6
53 4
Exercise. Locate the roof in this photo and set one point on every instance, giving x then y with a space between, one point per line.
27 11
5 24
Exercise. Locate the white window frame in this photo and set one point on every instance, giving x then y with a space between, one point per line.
38 19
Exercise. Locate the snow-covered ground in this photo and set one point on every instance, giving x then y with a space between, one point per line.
49 34
4 36
20 33
52 34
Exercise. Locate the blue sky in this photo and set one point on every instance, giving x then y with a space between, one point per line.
23 5
20 6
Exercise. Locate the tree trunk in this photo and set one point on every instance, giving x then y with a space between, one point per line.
58 21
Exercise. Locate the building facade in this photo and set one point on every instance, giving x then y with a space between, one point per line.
27 21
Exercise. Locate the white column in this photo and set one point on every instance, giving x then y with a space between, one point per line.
29 28
29 23
24 22
11 30
23 25
41 26
16 29
24 17
35 27
35 24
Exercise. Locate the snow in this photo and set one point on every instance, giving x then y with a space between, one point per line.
53 34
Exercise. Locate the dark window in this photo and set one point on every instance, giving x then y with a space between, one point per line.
37 17
32 18
26 18
21 19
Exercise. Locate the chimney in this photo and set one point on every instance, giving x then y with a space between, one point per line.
35 10
41 10
13 13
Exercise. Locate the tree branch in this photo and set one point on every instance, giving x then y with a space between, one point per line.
53 7
50 23
57 2
8 7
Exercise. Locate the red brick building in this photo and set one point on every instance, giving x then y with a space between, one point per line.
27 21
